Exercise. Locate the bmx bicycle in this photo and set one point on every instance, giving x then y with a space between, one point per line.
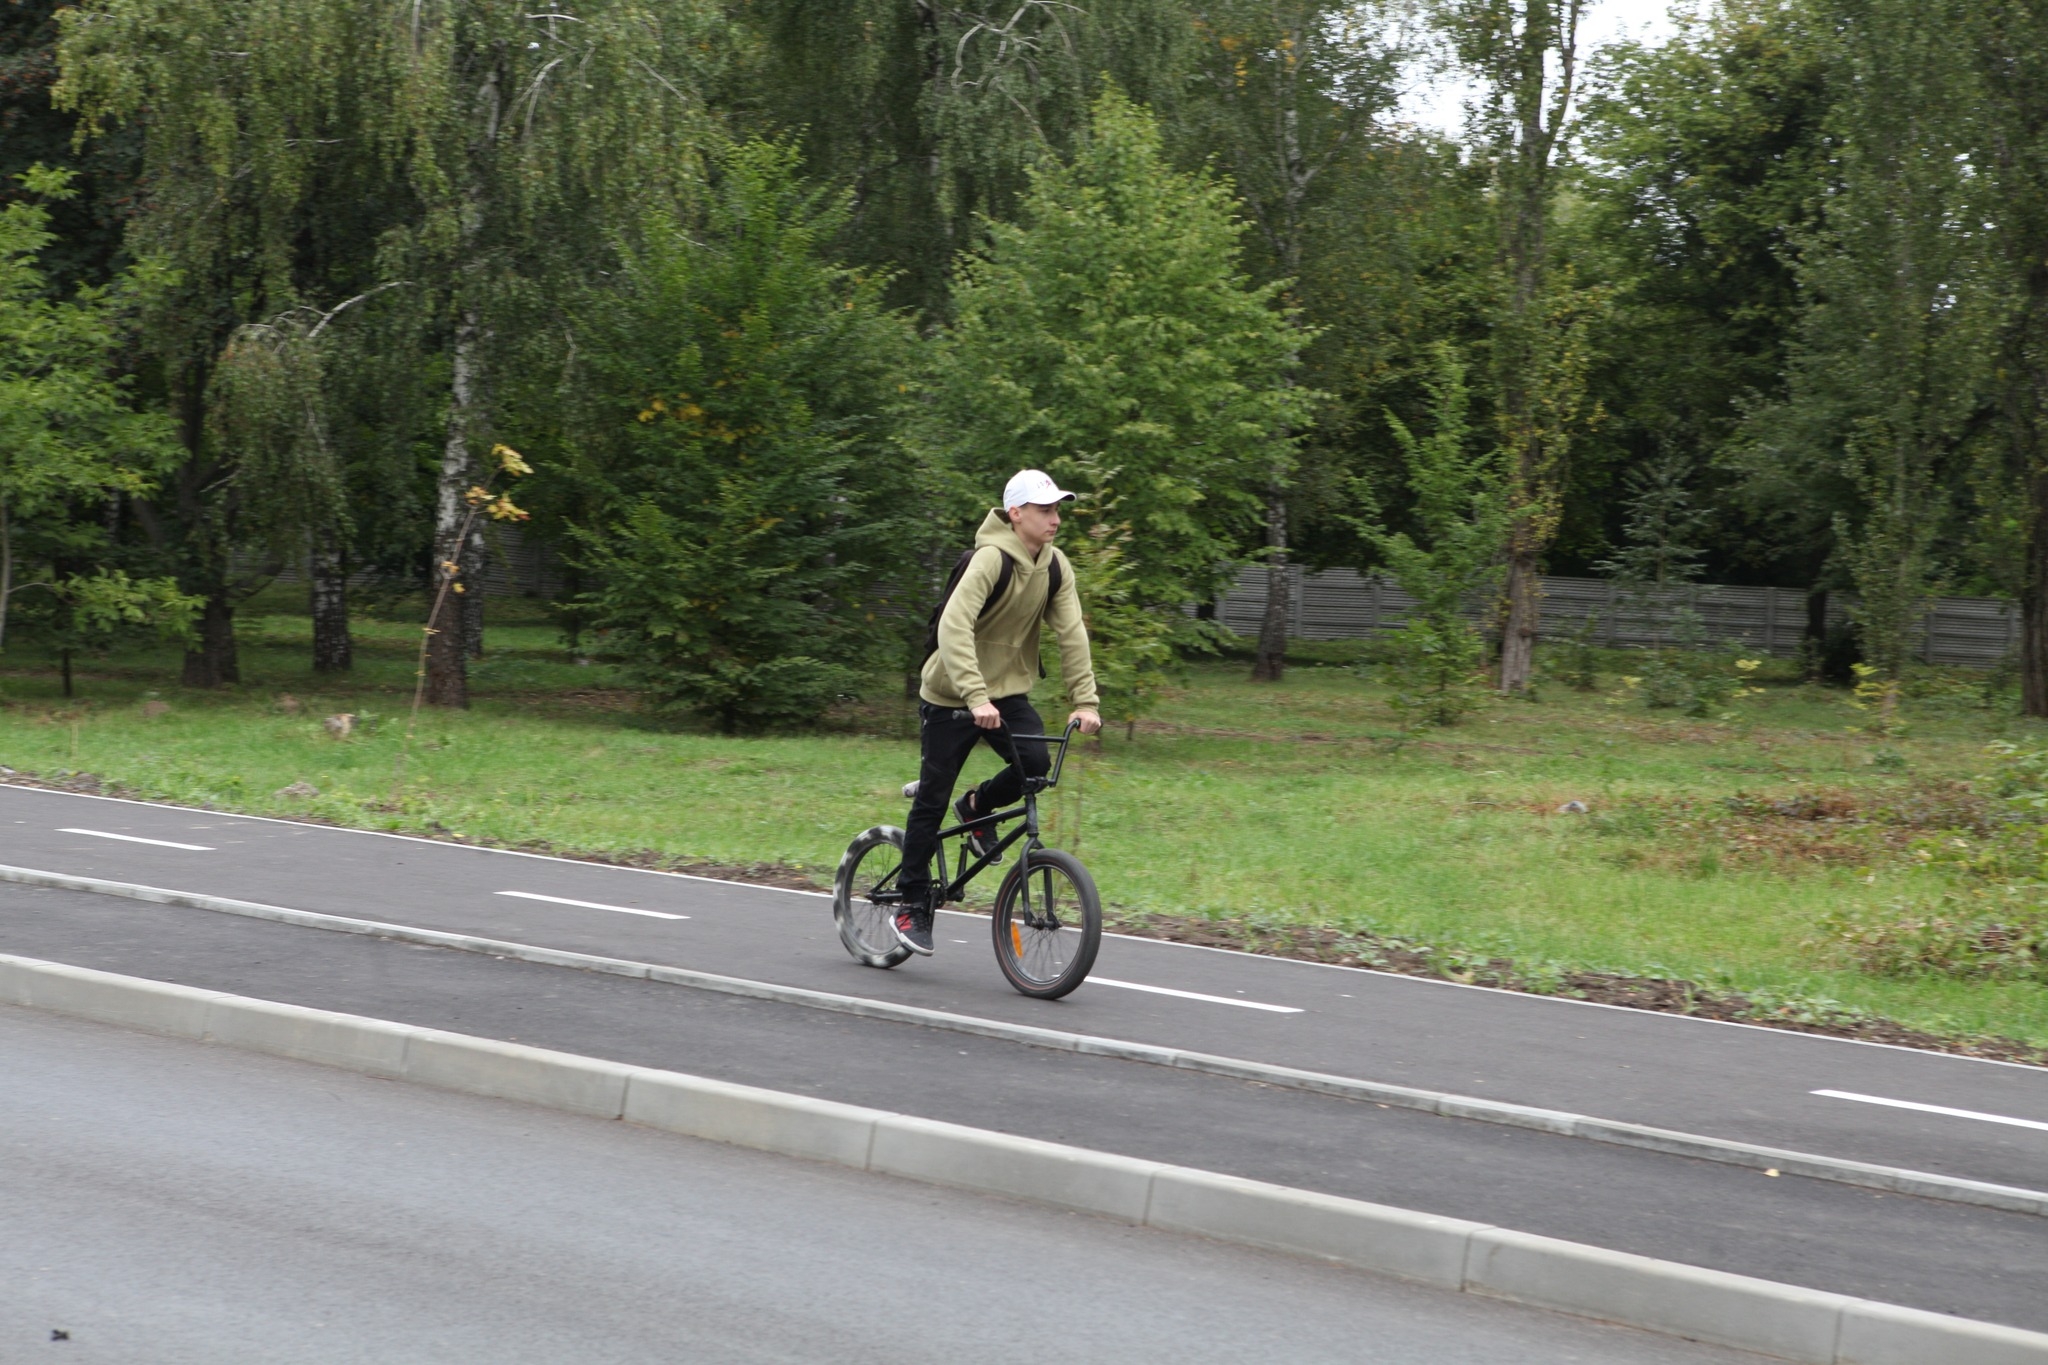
1047 922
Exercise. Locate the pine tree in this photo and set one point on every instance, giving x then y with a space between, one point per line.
747 505
1112 338
1453 555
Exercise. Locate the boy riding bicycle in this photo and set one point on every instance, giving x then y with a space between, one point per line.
977 683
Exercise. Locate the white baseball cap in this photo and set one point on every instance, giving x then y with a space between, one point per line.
1032 486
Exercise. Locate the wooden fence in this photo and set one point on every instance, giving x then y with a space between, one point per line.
1339 604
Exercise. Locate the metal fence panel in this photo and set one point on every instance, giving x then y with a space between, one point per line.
1341 604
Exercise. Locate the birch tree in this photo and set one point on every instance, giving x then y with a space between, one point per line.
528 135
267 146
1290 91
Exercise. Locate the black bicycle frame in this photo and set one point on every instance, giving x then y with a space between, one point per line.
956 888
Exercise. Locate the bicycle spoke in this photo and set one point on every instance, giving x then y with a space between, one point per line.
865 897
1047 935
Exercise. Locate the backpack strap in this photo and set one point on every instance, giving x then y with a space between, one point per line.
1005 571
1052 593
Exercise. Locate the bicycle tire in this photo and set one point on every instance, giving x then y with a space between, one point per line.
868 930
1050 950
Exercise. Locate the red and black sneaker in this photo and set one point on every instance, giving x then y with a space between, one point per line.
914 929
981 840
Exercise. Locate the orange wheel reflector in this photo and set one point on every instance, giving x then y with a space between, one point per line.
1016 939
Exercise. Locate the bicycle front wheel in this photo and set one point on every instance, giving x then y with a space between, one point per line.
1047 924
872 863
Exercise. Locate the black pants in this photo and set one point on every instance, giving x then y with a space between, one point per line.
947 737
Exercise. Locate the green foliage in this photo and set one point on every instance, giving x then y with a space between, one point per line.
98 611
747 498
935 114
68 425
1703 156
1889 365
1131 648
70 435
1655 571
1453 560
1577 661
268 403
1111 338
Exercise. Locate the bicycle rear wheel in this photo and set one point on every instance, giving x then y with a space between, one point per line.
871 864
1047 924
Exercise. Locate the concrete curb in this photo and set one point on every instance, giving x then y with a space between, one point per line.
1868 1175
1638 1291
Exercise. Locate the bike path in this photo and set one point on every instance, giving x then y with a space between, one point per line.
1745 1084
1945 1257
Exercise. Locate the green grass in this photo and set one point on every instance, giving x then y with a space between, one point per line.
1301 803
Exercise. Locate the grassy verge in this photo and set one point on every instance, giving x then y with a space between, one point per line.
1295 818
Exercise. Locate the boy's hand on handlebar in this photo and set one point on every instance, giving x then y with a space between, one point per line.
1087 718
987 717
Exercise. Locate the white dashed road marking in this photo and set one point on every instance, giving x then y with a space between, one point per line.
591 905
1194 995
138 839
1932 1109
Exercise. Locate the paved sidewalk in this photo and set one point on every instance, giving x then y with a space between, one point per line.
165 1203
1949 1258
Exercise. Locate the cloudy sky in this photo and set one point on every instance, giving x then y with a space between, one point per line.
1439 105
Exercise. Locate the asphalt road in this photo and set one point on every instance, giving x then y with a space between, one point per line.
162 1202
1946 1257
1754 1085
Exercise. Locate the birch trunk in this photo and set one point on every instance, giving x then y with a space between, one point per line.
447 661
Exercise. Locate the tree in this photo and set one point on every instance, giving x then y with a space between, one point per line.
1705 158
33 132
90 613
1655 569
1112 338
2007 46
1288 99
267 144
1889 367
303 154
70 435
933 113
529 136
1460 519
749 501
1524 56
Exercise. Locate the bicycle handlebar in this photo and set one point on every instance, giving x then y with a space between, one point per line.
1064 740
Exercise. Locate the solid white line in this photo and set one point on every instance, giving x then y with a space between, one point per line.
137 839
591 905
1932 1109
1193 995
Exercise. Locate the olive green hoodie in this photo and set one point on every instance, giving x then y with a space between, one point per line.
980 657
